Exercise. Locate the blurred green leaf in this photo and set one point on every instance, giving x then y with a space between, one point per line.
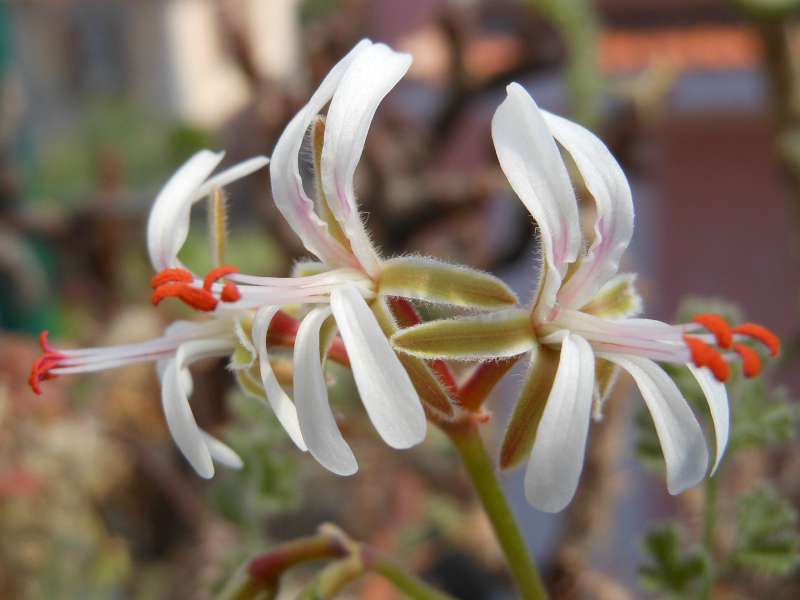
670 570
767 535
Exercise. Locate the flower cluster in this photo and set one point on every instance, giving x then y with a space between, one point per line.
354 306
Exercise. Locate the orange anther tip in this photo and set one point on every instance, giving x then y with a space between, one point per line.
719 367
230 293
718 326
751 361
761 334
171 275
699 350
216 274
198 299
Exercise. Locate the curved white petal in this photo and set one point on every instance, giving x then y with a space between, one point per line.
320 432
282 406
287 184
717 397
177 412
168 223
383 384
369 77
556 461
221 453
681 437
229 175
612 195
531 161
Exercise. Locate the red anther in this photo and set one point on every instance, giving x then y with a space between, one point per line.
718 326
40 370
171 275
751 361
761 334
44 344
700 351
230 293
216 274
198 299
719 367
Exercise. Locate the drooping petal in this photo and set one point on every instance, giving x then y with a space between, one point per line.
281 405
287 185
317 423
531 161
168 223
612 195
383 384
221 453
367 80
229 175
681 437
717 397
556 461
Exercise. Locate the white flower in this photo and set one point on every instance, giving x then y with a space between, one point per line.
580 327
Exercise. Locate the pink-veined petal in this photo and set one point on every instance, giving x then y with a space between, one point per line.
369 77
556 461
320 432
612 195
531 161
682 442
383 384
168 223
717 397
220 452
287 185
280 402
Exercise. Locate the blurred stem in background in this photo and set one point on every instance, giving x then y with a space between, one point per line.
577 24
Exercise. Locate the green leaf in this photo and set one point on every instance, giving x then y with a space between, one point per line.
521 431
670 570
436 281
496 335
767 535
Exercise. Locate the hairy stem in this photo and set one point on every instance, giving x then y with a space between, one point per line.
709 533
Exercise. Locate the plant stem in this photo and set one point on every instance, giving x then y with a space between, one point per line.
467 441
410 585
709 528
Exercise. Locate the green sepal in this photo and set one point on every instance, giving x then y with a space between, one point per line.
430 389
443 283
244 354
617 299
605 376
496 335
521 431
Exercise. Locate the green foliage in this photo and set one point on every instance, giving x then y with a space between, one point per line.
670 570
767 535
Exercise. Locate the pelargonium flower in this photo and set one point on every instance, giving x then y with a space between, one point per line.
351 291
581 328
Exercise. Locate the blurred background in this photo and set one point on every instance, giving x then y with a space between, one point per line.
100 100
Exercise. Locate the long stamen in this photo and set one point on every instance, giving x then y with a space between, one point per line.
760 334
171 275
197 298
718 326
751 361
216 274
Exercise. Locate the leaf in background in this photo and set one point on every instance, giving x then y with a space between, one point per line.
767 537
670 570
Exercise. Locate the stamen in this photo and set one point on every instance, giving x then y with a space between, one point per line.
40 371
216 274
199 299
751 361
719 367
699 350
171 275
760 334
230 293
718 326
44 344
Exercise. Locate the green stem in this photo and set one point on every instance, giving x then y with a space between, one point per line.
709 530
410 585
481 471
333 578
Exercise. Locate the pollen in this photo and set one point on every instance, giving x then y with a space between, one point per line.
197 298
40 371
171 275
700 351
216 274
760 334
718 326
230 293
751 361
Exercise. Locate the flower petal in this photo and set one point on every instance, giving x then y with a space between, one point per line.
681 437
221 453
320 432
281 405
554 468
168 223
383 384
717 397
229 175
287 185
613 227
369 77
531 161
